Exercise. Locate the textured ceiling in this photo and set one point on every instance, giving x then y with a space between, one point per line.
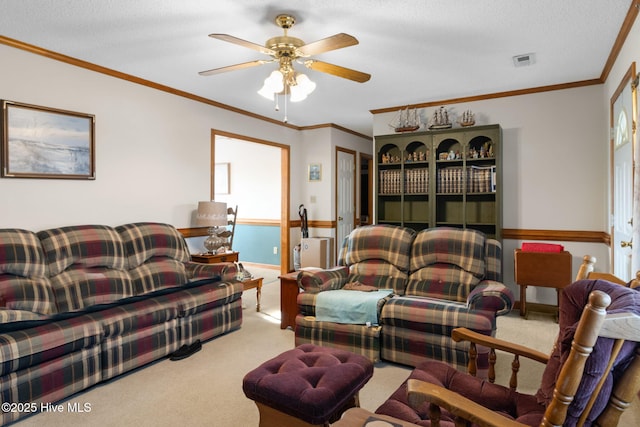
417 51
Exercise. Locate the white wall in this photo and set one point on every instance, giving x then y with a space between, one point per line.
152 150
555 176
255 180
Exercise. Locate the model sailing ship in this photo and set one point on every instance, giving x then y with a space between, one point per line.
407 120
467 119
440 119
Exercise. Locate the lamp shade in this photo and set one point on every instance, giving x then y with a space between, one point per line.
211 214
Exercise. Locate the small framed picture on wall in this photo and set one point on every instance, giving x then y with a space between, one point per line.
315 172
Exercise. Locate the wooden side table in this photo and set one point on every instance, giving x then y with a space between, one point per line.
215 258
251 284
288 296
546 269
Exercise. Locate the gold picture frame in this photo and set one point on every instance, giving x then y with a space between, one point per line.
42 142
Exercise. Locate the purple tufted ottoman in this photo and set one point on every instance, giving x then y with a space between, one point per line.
307 386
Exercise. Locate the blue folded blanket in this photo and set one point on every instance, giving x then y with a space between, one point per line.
355 307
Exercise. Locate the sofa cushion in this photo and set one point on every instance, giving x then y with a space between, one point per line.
86 245
462 248
146 240
78 287
443 281
156 254
385 243
23 281
86 266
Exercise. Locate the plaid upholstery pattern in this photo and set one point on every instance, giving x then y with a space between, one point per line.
50 381
492 297
156 254
379 274
210 323
158 273
86 245
30 347
12 315
493 260
444 281
358 339
35 295
462 248
87 266
225 270
48 353
146 240
78 288
23 282
21 253
415 329
387 243
314 281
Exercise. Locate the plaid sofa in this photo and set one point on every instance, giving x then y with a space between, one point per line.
442 278
83 304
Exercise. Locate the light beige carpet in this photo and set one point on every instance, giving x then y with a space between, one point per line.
206 388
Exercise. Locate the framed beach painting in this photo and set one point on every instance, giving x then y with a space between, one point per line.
41 142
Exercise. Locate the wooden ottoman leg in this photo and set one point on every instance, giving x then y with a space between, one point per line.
270 417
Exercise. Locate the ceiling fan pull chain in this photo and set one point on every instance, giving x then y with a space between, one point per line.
285 109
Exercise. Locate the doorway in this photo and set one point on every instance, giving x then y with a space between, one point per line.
279 205
622 154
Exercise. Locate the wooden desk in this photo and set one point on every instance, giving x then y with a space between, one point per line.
547 269
215 258
288 296
251 284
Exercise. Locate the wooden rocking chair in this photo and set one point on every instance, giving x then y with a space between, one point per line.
605 342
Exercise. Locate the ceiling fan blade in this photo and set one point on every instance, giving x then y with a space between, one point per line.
336 70
244 43
334 42
233 67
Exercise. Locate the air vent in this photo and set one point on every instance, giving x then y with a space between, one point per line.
523 60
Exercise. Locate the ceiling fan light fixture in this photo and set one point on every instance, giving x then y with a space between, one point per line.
272 85
306 83
303 87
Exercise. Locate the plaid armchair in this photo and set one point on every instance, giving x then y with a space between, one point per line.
441 278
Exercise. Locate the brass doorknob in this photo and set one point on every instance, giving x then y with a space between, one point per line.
624 244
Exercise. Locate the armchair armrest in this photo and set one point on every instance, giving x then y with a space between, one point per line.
226 270
464 334
419 391
492 296
315 281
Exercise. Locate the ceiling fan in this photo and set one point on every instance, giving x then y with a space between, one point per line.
286 50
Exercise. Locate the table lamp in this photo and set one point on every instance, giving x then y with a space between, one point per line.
213 215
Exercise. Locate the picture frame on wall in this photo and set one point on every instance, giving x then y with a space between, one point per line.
221 179
43 142
315 172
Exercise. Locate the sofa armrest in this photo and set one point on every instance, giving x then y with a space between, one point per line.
314 281
492 296
226 270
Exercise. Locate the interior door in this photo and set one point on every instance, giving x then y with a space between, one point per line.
622 178
345 194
